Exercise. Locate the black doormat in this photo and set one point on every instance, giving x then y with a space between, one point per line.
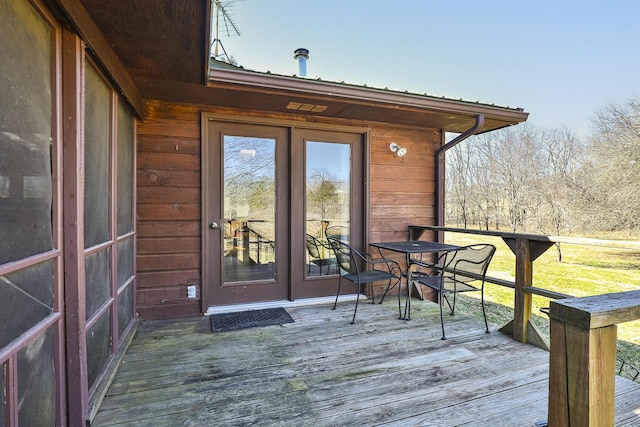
249 319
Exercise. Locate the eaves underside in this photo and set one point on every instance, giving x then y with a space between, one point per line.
363 103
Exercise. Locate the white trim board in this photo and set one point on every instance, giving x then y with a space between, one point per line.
274 304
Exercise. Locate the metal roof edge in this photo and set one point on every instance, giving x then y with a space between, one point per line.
361 93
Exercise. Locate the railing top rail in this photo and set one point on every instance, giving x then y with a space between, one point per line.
620 244
597 311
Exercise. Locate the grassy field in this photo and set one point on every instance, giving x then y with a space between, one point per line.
584 271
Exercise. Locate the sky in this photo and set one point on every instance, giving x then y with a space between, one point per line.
560 60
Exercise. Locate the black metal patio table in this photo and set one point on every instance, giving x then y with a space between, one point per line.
408 248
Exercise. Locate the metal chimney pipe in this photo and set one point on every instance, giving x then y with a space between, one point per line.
301 55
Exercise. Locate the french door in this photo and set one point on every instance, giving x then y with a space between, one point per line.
245 213
266 191
329 199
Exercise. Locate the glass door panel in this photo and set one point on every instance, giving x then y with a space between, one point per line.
328 207
327 187
246 213
249 208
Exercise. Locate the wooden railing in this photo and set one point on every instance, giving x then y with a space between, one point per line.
526 248
582 364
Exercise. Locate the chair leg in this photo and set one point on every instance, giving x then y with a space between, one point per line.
389 287
484 312
451 307
373 295
336 302
357 299
440 303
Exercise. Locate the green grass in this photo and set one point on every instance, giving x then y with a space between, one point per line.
584 271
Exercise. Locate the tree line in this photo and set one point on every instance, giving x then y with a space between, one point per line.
549 181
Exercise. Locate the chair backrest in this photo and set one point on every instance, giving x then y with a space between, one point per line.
473 259
337 232
345 255
312 247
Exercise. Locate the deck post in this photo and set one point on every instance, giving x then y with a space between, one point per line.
522 300
582 363
526 250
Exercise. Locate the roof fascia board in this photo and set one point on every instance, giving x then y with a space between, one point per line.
360 94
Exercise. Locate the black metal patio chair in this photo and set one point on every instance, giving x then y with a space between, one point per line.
360 268
320 254
462 270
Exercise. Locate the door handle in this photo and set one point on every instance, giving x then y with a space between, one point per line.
214 225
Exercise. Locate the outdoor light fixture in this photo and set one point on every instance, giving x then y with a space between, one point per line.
400 151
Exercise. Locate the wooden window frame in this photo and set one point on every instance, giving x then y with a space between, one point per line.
9 353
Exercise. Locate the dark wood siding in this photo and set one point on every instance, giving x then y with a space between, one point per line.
402 189
401 192
168 211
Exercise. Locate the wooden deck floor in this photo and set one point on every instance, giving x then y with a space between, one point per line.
323 371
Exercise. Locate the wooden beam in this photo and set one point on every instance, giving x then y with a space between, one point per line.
506 235
524 278
536 247
104 53
73 222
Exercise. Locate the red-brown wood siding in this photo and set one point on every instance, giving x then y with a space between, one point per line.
402 188
168 211
401 192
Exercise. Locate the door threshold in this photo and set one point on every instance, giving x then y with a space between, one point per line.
274 304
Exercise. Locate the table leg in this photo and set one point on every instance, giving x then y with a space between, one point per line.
400 297
399 290
407 303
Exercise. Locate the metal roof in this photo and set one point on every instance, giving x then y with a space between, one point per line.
350 101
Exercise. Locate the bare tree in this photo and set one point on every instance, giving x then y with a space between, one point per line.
494 172
549 181
609 190
489 194
458 164
562 155
516 167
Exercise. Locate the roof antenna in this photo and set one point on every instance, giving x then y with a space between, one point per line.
220 10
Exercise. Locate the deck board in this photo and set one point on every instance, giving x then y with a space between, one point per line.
324 371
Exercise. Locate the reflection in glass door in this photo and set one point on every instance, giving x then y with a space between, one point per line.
328 196
328 183
249 208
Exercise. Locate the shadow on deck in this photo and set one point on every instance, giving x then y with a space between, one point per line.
323 371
